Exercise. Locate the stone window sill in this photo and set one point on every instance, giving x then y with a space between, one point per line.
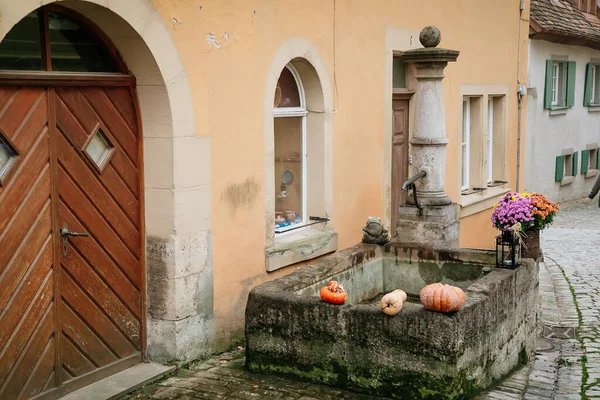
559 110
567 180
477 202
304 244
594 108
591 173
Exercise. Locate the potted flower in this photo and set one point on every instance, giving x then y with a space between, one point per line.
524 214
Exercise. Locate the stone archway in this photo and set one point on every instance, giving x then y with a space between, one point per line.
178 266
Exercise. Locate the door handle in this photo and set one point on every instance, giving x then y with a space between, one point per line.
64 232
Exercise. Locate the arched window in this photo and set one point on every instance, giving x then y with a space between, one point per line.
290 151
53 39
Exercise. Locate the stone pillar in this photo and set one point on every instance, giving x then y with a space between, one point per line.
437 224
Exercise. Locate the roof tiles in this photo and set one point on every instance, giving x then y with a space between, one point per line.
564 18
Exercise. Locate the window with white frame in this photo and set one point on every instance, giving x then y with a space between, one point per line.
290 151
465 144
592 85
560 84
490 141
483 142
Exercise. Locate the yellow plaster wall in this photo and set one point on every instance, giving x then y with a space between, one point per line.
227 86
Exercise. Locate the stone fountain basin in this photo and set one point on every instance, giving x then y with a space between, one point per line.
415 354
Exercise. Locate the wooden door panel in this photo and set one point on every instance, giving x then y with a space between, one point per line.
120 97
40 342
101 274
88 341
94 317
21 184
26 257
15 345
399 156
104 266
94 223
70 100
98 194
112 119
81 271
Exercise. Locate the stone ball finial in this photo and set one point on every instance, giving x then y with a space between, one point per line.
430 36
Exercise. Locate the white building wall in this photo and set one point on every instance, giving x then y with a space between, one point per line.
548 135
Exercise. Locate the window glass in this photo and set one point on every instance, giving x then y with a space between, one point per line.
286 92
288 171
98 148
399 73
75 49
21 48
466 135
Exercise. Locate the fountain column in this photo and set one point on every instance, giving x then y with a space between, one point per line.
437 225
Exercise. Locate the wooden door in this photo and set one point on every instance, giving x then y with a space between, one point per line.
97 181
399 156
69 315
28 270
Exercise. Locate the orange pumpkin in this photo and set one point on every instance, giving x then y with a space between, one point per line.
334 293
442 298
391 303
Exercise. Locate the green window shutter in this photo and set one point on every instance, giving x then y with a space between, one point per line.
598 158
575 164
548 88
560 168
587 93
571 66
585 161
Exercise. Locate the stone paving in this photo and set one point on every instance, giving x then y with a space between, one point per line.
566 365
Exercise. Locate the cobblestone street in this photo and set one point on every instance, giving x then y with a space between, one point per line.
567 363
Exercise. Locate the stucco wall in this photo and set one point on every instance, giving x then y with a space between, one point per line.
227 85
548 134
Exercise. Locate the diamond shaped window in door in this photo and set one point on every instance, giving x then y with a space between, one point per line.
99 149
8 155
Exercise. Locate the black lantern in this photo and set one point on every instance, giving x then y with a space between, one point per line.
508 250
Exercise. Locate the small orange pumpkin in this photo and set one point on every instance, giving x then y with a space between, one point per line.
391 303
442 298
334 293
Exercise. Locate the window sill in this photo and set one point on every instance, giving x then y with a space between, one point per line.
594 108
296 246
567 180
477 202
591 173
558 110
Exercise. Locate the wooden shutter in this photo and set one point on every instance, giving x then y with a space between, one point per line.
560 168
571 66
548 88
585 161
575 164
587 92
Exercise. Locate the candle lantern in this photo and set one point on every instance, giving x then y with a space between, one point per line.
508 250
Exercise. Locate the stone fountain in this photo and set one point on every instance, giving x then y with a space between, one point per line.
433 220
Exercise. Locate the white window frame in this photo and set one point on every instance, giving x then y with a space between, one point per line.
288 112
490 141
594 72
555 83
466 144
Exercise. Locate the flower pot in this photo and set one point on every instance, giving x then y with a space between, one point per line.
531 245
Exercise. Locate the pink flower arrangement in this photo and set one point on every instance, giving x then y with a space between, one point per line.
514 210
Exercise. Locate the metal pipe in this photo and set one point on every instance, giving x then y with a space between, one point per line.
410 181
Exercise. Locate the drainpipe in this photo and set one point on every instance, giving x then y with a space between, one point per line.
520 94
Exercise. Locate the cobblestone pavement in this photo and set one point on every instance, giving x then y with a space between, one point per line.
566 365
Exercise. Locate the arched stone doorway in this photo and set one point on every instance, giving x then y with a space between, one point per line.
84 146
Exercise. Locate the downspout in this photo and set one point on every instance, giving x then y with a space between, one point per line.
519 97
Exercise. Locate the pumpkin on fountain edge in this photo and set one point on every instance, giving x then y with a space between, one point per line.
333 293
442 298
